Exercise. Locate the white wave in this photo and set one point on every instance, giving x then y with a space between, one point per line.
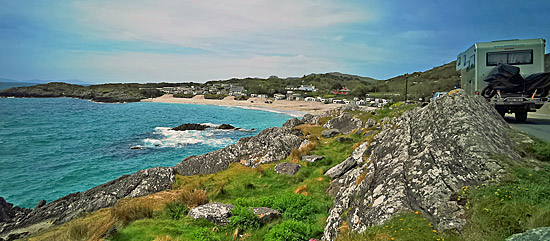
178 139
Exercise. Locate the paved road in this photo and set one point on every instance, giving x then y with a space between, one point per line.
538 125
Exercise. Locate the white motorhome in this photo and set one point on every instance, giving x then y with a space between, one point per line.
477 61
475 64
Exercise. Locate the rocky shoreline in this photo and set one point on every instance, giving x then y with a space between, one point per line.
415 162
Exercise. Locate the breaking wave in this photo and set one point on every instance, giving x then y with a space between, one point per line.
166 137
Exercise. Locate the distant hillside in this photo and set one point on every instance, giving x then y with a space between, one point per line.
325 83
423 84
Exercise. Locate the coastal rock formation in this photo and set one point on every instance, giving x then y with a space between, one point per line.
189 127
426 156
344 123
62 210
98 93
216 212
226 127
202 127
287 168
272 144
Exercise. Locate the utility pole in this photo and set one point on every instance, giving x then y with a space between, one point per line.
406 85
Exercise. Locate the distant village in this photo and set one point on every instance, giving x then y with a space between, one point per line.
301 93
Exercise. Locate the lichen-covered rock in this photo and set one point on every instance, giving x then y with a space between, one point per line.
62 210
310 119
272 144
266 215
430 155
287 168
344 123
370 123
349 163
312 158
330 133
537 234
216 212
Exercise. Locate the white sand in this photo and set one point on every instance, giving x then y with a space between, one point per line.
293 108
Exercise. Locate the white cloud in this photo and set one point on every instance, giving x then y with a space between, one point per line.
196 23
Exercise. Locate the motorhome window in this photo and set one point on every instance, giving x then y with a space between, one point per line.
458 61
464 59
513 57
473 60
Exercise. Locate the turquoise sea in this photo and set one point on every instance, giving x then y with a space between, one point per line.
52 147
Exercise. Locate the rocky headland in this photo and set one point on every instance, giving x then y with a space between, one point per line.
416 162
98 93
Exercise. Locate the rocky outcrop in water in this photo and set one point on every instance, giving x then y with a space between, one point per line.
272 144
418 161
190 127
62 210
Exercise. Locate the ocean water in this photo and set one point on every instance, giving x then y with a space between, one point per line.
52 147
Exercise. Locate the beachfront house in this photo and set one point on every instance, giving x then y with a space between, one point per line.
235 90
279 96
310 88
343 91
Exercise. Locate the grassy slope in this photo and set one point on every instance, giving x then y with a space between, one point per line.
494 211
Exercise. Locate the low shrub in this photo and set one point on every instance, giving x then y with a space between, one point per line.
294 206
193 198
175 210
183 95
293 230
244 218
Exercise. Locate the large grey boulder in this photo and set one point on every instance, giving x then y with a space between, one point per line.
537 234
430 155
62 210
344 123
287 168
272 144
216 212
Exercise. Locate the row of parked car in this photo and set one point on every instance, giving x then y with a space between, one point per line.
372 102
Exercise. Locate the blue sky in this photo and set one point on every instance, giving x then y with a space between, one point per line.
181 40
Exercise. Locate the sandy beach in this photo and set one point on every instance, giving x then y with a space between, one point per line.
293 108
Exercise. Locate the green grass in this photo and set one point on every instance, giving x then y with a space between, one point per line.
498 211
405 226
301 198
494 212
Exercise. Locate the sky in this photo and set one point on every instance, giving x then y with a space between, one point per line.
104 41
